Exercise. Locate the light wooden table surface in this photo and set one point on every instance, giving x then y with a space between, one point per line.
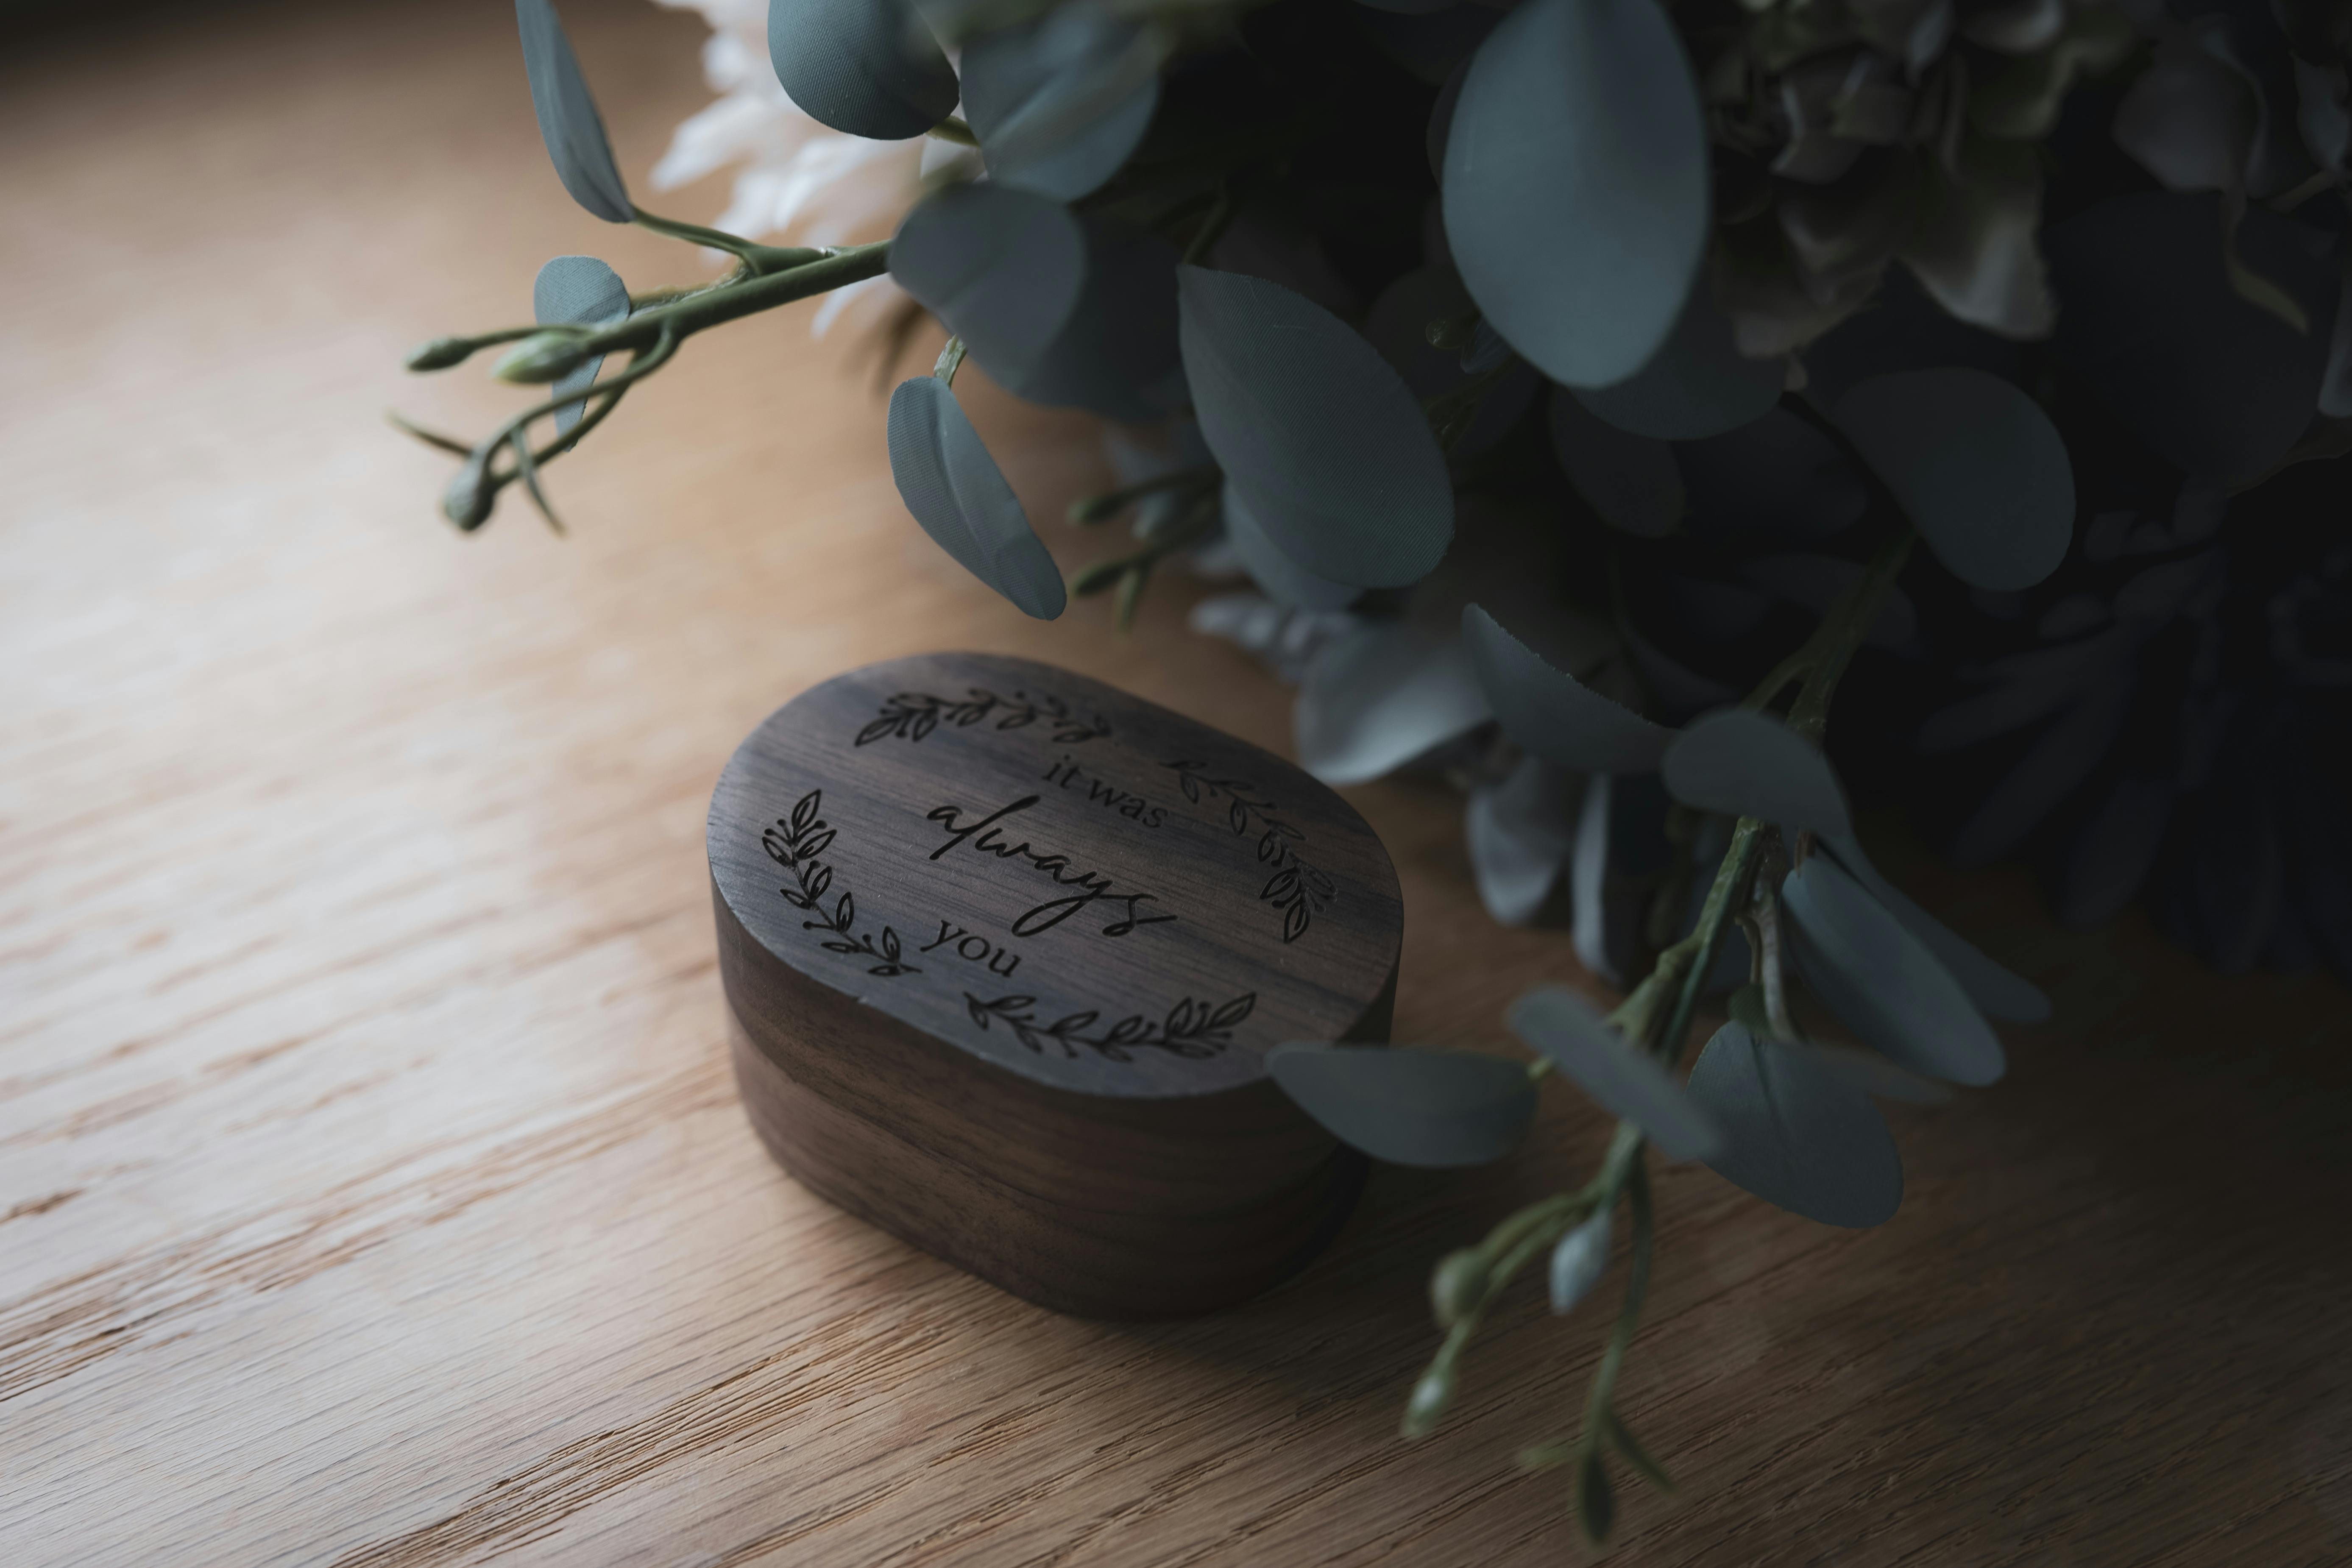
372 1185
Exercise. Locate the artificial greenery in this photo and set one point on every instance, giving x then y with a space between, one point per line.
1595 390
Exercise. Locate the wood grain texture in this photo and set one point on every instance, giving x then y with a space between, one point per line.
373 1185
1007 947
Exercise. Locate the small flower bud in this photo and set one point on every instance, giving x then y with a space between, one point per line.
542 357
469 500
1578 1262
1456 1286
439 355
1429 1397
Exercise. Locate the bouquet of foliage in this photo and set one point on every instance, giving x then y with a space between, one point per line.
1590 391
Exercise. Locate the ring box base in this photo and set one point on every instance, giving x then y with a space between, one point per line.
1036 1051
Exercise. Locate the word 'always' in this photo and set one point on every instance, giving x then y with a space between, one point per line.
985 838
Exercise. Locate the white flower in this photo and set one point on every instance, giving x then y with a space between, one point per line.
793 173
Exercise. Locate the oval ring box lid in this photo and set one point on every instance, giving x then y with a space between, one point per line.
1006 949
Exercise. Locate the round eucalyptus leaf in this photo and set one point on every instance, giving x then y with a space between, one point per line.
1521 834
1904 329
1795 1135
1284 581
1118 357
1552 714
1697 385
1627 1082
867 67
583 292
1996 991
2148 318
2058 764
1059 103
959 494
1775 476
1441 117
1621 854
1409 1106
1576 184
1630 480
1061 309
579 289
568 120
1001 268
1882 982
1329 449
1738 762
1976 464
1679 687
1379 696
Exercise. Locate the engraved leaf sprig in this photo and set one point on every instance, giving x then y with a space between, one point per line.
1191 1029
912 715
794 842
1300 890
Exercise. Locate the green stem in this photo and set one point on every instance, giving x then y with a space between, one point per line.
1833 646
951 360
1193 527
1648 1018
641 365
527 471
1628 1315
608 397
483 460
1091 510
700 312
430 438
1129 598
761 259
1722 899
1820 663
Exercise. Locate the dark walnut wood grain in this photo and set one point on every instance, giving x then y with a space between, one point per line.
1005 948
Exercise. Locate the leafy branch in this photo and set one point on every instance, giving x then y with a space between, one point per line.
911 715
1191 521
794 843
1192 1030
1656 1019
764 278
1298 889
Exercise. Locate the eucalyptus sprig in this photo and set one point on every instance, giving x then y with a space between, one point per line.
1655 1019
650 336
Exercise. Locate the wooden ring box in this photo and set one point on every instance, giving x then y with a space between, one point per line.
1005 948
